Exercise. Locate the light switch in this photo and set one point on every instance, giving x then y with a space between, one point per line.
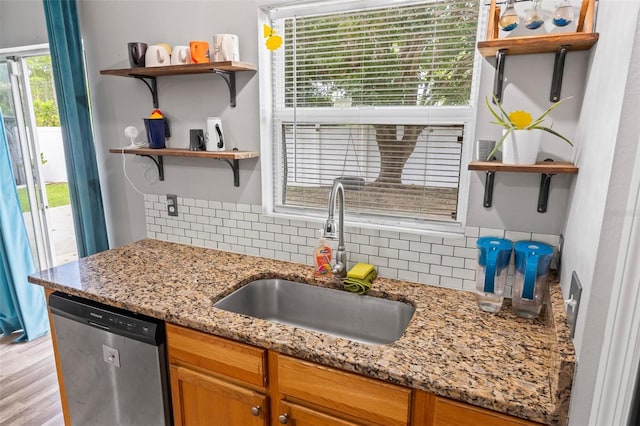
172 205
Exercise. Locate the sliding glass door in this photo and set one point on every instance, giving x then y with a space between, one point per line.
27 100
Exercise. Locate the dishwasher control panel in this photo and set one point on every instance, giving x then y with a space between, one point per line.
115 320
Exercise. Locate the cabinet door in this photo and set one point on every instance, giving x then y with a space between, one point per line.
199 399
298 415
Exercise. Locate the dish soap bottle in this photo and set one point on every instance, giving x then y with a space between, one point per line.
322 256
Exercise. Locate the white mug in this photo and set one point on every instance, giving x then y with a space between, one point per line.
214 139
226 47
180 55
157 56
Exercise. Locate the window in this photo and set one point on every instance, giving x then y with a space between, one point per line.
380 97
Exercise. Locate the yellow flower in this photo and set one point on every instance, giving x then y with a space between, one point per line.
521 119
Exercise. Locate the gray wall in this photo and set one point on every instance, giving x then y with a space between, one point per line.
527 86
22 23
608 132
188 100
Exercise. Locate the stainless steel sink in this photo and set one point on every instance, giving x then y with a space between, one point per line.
339 313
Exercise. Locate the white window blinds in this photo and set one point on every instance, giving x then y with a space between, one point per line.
379 97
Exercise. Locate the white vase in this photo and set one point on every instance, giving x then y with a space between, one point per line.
521 147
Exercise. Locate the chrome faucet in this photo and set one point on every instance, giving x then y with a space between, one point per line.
340 267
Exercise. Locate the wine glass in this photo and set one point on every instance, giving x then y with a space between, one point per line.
533 19
509 18
563 15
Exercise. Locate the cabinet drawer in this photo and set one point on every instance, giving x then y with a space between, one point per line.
232 359
361 397
453 413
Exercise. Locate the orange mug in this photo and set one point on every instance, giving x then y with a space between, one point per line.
199 52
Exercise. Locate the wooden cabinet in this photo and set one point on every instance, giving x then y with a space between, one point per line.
216 379
446 412
222 382
344 397
198 398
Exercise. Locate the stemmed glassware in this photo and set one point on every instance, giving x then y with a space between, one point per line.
509 18
563 15
533 19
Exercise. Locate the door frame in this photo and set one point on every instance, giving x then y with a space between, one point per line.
617 379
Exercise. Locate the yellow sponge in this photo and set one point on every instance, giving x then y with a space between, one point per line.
360 271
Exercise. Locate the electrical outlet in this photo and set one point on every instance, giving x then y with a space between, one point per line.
172 205
573 303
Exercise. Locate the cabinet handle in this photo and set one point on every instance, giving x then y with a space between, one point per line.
283 419
255 410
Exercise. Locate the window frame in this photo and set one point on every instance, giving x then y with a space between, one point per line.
401 115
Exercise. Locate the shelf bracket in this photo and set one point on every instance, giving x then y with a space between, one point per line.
543 195
558 71
498 80
152 84
235 166
230 79
159 164
488 189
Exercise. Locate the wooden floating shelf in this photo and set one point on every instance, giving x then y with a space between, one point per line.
148 75
550 43
556 168
177 152
180 69
546 169
559 43
230 157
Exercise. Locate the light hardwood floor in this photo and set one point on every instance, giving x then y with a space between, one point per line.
29 394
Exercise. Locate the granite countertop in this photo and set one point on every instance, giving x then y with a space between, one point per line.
497 361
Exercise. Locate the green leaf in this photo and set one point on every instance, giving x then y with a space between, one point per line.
495 114
553 132
500 142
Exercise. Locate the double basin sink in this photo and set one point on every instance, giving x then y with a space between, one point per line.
338 313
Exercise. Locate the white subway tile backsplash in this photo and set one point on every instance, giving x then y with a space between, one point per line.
431 239
403 274
440 249
456 262
388 272
420 247
430 258
443 271
456 242
429 279
451 282
409 255
517 236
409 237
242 228
552 240
388 252
465 252
399 244
491 232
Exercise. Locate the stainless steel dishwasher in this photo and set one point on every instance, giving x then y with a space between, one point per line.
113 364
